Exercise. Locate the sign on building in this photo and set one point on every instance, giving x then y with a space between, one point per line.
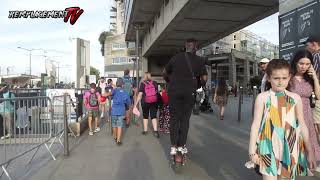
92 79
296 26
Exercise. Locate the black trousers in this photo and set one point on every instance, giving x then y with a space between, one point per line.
180 105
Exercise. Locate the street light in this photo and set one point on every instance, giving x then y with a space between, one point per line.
30 51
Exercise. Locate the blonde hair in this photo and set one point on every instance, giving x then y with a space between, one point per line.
147 76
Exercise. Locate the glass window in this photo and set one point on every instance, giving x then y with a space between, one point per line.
121 60
117 46
131 45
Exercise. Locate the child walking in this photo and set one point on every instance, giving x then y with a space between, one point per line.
91 101
279 139
121 99
164 115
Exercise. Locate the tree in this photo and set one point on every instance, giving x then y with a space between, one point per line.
102 39
94 71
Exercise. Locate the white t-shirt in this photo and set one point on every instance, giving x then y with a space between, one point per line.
263 82
103 87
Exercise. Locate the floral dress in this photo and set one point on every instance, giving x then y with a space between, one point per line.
164 115
280 143
304 89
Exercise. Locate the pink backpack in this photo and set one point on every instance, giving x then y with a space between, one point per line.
151 93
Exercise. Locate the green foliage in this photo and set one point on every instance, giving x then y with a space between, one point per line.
94 71
102 39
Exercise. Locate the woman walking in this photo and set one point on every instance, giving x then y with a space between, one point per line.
148 96
221 97
304 82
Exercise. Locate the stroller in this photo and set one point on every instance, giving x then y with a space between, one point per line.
205 105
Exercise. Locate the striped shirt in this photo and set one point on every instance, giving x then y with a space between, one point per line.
316 61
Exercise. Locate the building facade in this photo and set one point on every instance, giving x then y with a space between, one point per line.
235 58
244 41
118 54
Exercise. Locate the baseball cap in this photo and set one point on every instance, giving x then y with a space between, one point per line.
264 60
312 39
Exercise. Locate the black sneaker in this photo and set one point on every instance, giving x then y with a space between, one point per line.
156 134
144 132
119 143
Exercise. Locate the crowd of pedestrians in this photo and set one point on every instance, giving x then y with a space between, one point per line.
284 138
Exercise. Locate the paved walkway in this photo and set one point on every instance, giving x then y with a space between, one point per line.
218 151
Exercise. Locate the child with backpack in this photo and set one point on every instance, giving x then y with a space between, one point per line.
148 96
120 100
91 101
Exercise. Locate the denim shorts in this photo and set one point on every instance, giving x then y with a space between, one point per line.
117 121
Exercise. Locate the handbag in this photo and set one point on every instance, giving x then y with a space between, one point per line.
316 112
312 99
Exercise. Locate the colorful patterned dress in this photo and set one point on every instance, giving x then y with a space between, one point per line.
280 143
304 89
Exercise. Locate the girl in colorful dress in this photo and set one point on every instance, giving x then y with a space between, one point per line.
279 139
304 82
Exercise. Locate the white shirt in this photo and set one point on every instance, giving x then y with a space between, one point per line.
103 87
263 82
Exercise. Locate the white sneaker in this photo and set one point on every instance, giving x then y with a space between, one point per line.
183 150
173 151
317 168
6 136
97 130
90 133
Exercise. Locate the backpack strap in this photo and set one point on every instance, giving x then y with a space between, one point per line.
189 65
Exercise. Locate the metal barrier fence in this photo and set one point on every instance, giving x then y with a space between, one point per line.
242 92
25 92
30 123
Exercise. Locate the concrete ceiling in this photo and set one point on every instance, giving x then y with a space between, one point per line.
205 20
143 12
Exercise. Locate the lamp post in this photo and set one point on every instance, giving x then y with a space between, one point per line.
30 51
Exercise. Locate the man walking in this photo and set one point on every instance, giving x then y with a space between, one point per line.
129 88
313 46
184 73
7 110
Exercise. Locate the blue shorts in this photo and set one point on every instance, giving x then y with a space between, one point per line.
117 121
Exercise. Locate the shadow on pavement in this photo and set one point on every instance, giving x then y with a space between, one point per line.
140 163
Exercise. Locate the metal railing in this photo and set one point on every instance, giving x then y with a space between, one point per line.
30 123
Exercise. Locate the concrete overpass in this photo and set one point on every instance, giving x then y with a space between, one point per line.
166 24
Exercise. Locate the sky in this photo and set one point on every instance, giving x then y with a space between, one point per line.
56 37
